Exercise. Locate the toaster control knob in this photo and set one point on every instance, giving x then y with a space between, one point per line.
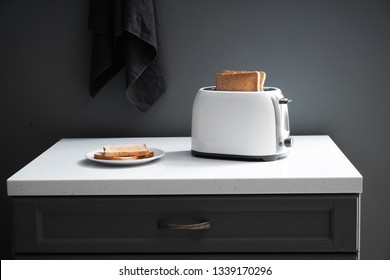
288 142
284 100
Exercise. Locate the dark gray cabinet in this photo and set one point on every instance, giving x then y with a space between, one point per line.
305 206
289 226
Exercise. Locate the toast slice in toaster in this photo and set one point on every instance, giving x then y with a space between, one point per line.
125 150
230 80
262 80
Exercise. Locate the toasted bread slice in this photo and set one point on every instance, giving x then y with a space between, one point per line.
125 150
232 80
102 155
238 81
236 71
262 80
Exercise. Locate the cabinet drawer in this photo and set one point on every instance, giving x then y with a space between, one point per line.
186 224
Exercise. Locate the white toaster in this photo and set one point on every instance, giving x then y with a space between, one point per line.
240 125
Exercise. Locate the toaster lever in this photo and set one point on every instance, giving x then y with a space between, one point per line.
288 142
284 100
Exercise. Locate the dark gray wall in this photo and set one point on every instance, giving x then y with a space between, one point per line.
331 57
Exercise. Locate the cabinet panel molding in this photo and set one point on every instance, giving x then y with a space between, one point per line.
235 224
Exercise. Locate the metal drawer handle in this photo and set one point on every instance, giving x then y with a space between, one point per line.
195 226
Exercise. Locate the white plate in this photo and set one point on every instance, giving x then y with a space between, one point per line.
157 154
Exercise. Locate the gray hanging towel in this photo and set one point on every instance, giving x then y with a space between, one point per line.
126 34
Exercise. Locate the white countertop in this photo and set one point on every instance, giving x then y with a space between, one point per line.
314 165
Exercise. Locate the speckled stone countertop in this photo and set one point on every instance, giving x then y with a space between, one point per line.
315 165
